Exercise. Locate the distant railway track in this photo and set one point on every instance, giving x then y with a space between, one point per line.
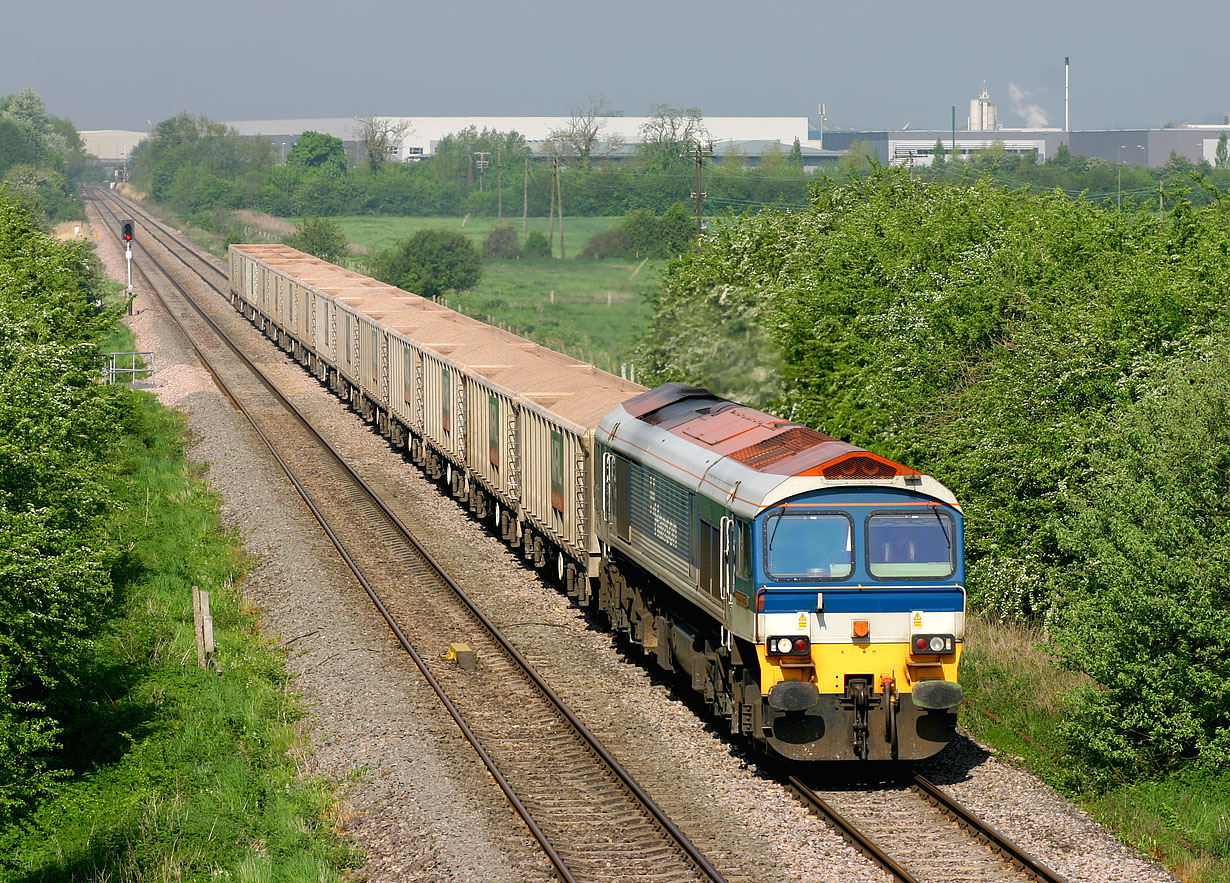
919 834
592 820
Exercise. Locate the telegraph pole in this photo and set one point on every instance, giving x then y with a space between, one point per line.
499 189
525 202
700 152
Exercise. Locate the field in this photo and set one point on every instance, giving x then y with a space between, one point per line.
382 231
594 310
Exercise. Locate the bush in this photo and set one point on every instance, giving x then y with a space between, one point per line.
322 238
502 243
613 242
643 234
1145 613
431 262
537 245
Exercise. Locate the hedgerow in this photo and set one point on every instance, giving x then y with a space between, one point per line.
57 426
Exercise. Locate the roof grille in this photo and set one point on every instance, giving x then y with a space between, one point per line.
860 466
772 450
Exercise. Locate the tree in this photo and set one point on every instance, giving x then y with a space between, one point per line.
315 150
669 132
377 135
795 157
1222 159
856 158
432 262
940 155
320 237
583 135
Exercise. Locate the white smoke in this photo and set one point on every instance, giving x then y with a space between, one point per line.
1034 115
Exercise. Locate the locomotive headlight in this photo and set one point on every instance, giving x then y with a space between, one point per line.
937 644
784 645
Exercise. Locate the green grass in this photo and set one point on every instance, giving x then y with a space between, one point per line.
1015 702
379 232
178 773
594 310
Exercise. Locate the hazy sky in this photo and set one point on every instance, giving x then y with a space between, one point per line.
875 64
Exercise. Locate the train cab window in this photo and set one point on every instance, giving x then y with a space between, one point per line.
911 545
809 545
743 550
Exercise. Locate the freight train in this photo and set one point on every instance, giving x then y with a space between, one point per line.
810 590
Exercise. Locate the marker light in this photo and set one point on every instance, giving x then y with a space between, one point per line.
794 645
932 643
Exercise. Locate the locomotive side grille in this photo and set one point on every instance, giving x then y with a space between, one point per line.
772 450
859 467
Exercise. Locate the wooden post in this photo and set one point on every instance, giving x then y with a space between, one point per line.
525 203
203 624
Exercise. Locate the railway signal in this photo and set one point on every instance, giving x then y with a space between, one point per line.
126 230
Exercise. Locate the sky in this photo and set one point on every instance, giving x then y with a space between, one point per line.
875 65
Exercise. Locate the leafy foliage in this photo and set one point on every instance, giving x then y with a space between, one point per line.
1145 608
315 150
57 427
321 237
432 262
194 164
42 158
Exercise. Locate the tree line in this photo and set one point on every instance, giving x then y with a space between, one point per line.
196 166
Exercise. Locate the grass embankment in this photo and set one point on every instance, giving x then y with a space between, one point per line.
174 772
1016 704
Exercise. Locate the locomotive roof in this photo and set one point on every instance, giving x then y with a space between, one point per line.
573 391
746 457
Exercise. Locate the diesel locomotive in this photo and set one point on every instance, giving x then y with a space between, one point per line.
810 590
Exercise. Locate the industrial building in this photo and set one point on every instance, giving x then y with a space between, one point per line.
981 130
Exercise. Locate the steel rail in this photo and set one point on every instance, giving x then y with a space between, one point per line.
984 830
851 833
656 813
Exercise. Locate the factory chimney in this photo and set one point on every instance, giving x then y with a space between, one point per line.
1067 124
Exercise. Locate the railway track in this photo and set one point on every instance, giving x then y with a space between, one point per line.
592 820
919 834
